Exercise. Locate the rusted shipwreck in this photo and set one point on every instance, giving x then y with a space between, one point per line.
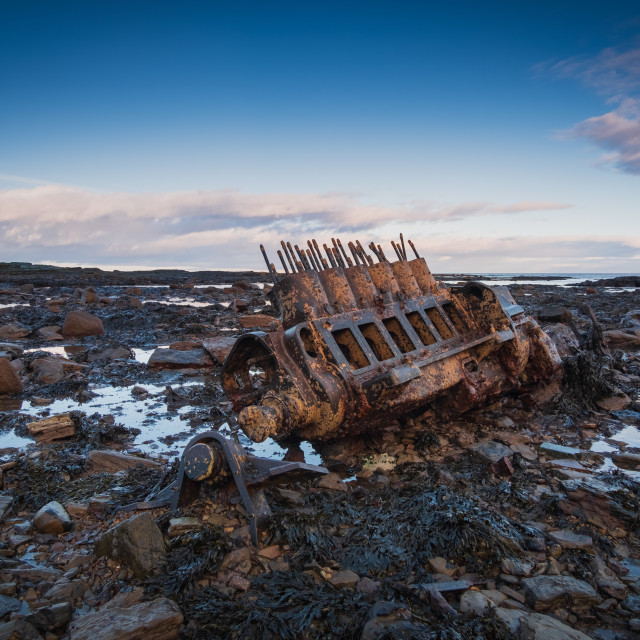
365 339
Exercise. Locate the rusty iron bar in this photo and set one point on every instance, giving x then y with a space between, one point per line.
303 258
344 253
404 250
336 252
354 251
377 251
366 258
270 267
413 246
293 255
384 258
315 257
286 253
330 256
396 249
284 264
325 264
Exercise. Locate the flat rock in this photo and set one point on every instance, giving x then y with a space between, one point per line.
52 518
491 450
548 592
113 461
53 428
10 382
570 540
553 450
536 626
219 347
173 359
156 620
137 543
79 324
14 331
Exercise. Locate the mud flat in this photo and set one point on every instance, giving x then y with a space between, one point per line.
517 520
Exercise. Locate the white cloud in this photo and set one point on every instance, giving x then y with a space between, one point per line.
614 73
617 132
215 229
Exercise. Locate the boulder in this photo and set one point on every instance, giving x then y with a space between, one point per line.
10 382
549 592
219 347
137 543
79 324
14 331
172 359
52 518
159 619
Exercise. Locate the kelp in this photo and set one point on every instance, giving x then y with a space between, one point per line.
386 530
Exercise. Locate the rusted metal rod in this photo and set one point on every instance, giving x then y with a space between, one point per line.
413 246
396 249
315 257
270 268
404 250
330 256
286 253
286 271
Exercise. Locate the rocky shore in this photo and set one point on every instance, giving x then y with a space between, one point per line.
519 520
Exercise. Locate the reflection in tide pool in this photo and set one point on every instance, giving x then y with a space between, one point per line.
627 437
149 414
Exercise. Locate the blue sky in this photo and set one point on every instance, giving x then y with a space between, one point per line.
502 136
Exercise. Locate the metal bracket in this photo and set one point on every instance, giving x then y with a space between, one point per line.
212 458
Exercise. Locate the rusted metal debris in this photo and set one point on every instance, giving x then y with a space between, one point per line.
366 339
211 460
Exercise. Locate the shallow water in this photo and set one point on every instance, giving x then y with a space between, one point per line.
150 415
627 437
186 302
